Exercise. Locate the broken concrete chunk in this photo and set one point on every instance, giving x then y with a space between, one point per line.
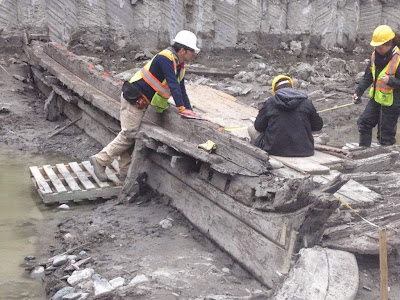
78 276
321 274
60 260
117 282
64 291
138 279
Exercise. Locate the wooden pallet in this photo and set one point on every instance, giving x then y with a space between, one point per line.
73 182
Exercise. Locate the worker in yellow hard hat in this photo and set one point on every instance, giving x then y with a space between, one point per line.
382 75
284 124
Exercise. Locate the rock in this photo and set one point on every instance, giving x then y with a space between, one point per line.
321 273
318 94
226 270
63 207
165 224
233 90
246 91
138 279
72 257
38 272
302 71
68 236
140 56
5 110
295 46
359 76
78 276
84 296
99 49
64 291
101 285
72 296
60 260
83 253
148 53
29 257
117 282
99 68
20 78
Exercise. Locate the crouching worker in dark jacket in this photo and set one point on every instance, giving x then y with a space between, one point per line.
286 121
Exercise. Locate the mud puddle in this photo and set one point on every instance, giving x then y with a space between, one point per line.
20 209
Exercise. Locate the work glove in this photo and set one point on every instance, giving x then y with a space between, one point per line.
356 99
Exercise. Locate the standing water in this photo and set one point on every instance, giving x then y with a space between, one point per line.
20 208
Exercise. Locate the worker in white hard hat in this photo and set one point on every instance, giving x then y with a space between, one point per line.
163 76
382 75
285 123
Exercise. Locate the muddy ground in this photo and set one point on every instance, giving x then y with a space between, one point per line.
126 240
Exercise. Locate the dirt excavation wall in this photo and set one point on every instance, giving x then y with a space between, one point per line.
253 24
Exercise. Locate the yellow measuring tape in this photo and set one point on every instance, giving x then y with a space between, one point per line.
349 207
231 128
335 107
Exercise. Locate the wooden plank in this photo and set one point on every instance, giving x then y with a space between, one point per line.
68 177
93 194
88 166
302 164
41 183
325 158
81 176
383 265
59 186
194 132
357 195
217 162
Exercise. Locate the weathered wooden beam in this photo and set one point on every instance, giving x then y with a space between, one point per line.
229 147
380 162
81 68
96 97
260 256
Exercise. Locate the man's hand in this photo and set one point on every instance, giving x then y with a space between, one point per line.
188 112
356 99
385 78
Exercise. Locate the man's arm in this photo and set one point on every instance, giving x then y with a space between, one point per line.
261 122
315 120
167 67
185 97
365 82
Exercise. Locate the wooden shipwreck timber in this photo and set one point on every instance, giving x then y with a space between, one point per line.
261 215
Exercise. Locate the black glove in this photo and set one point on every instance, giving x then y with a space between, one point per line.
357 100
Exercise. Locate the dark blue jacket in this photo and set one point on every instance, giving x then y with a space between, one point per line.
286 122
163 68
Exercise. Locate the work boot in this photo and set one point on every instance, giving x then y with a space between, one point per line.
99 170
121 177
365 139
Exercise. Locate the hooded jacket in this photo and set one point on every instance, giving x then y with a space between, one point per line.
286 122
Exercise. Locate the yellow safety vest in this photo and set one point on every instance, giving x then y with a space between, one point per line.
384 93
160 98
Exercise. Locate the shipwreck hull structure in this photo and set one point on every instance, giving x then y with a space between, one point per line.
260 215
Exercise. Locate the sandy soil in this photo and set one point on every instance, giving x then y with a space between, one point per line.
127 240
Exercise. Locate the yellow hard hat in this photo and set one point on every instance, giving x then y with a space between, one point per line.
280 78
381 35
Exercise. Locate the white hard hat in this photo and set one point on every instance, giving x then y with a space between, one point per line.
187 38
